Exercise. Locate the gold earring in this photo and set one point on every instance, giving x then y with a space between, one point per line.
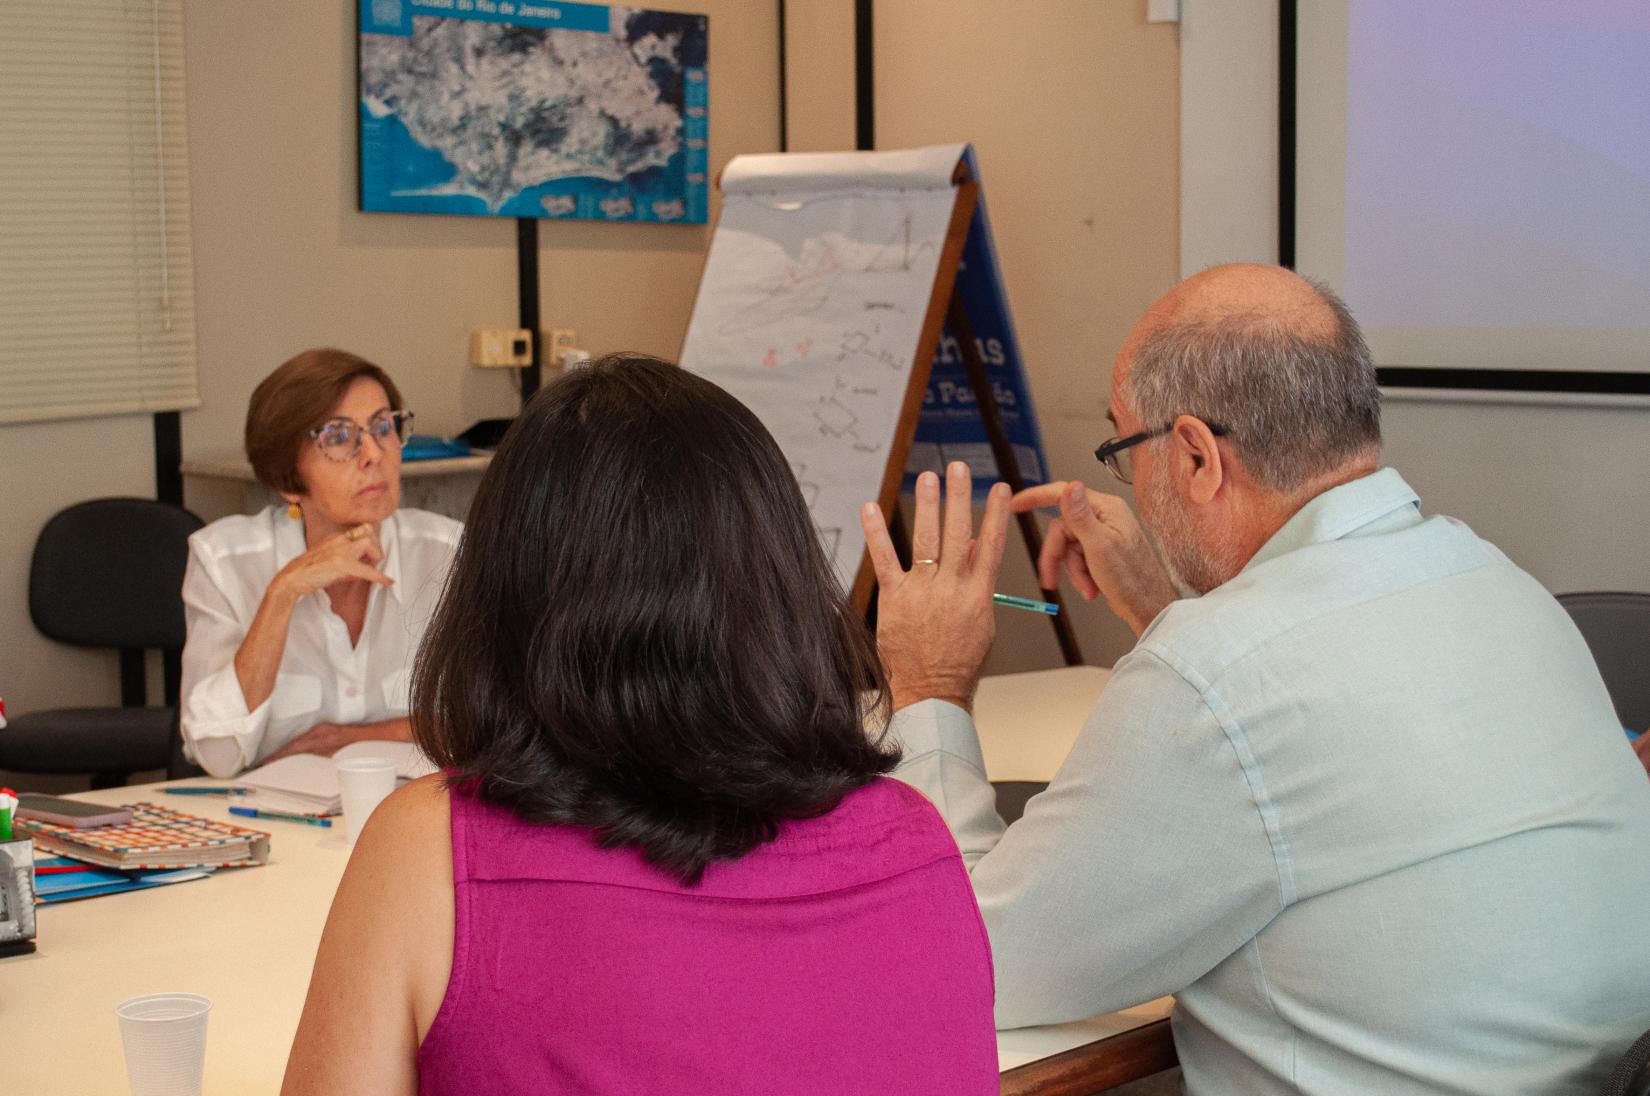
293 512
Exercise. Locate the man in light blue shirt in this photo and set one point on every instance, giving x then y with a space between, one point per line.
1362 805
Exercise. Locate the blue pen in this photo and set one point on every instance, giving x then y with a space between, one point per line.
1027 604
283 816
204 791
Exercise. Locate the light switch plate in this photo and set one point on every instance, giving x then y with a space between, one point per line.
501 347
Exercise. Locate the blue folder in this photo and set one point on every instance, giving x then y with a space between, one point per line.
92 881
430 447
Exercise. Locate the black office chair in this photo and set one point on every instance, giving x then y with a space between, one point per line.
1616 627
1013 795
1631 1076
108 573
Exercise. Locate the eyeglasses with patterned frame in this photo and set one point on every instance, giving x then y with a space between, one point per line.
339 438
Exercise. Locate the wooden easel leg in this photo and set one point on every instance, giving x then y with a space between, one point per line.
1008 465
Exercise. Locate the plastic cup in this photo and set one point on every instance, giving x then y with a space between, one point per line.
363 782
164 1035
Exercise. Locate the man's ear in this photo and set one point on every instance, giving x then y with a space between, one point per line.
1199 457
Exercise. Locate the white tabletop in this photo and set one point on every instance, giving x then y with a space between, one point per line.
1027 722
246 938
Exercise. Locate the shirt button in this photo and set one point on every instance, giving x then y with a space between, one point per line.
352 691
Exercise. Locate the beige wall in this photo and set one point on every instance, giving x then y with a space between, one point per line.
1072 108
283 261
1073 115
819 75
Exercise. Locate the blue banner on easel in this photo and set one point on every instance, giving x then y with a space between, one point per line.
949 426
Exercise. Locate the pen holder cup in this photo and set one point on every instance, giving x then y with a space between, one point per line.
16 896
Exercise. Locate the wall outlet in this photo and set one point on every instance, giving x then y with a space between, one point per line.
501 347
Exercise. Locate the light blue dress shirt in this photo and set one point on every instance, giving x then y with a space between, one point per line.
1365 809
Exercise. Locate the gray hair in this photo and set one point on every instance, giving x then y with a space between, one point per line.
1297 404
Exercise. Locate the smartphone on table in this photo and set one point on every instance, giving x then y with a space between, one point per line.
74 813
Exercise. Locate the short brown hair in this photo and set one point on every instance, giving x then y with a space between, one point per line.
295 399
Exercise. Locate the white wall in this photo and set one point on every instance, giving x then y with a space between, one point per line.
1558 483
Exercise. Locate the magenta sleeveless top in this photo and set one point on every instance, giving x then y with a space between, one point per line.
845 956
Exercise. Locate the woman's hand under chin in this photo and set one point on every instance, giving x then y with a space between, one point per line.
353 553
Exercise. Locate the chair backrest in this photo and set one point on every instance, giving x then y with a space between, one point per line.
109 573
1013 795
1616 627
1631 1077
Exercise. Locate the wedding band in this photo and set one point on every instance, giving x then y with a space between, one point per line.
933 562
356 533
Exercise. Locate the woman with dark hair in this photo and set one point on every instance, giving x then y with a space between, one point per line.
663 857
303 618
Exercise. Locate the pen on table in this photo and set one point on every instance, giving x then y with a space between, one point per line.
206 791
1027 604
283 816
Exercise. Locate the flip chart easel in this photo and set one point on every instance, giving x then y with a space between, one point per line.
830 279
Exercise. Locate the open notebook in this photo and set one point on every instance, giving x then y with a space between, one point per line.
307 783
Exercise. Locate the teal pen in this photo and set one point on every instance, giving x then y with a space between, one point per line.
1027 604
205 791
283 816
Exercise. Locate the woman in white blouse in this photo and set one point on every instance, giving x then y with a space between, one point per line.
304 619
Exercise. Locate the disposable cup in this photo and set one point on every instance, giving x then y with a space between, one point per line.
363 782
164 1035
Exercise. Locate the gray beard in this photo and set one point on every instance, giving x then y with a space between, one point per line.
1191 566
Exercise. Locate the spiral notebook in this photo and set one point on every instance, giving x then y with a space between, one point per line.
156 837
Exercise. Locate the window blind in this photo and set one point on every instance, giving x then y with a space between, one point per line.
96 274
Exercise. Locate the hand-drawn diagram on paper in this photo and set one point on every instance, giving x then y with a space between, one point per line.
809 311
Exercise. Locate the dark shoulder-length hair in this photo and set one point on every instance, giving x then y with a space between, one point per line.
641 633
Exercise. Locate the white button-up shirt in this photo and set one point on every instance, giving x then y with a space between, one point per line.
1365 809
323 678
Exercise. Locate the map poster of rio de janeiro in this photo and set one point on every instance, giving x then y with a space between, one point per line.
526 109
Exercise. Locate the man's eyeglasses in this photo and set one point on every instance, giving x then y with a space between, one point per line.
1114 452
340 439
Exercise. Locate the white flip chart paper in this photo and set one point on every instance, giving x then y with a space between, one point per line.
811 305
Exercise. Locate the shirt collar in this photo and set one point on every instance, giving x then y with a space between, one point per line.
1352 509
392 555
289 545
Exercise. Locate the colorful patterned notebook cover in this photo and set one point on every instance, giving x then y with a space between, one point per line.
156 837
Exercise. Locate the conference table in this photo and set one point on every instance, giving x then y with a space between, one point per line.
246 938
